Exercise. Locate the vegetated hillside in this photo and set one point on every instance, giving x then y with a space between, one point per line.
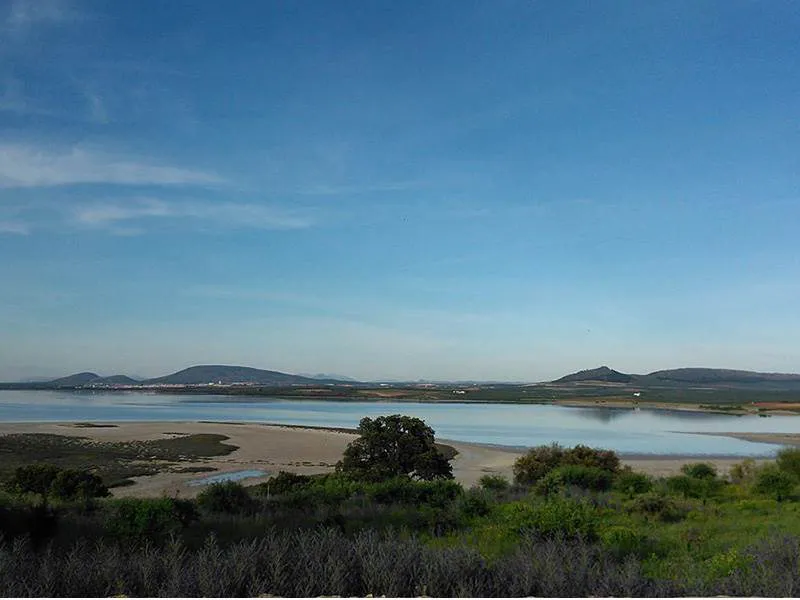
116 380
688 377
201 374
604 374
729 376
73 380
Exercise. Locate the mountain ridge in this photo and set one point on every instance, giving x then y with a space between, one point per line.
684 376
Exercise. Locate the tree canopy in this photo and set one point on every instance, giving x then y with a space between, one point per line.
393 446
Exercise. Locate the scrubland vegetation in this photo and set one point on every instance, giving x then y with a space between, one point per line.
574 522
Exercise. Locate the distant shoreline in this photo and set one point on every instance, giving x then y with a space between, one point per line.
790 406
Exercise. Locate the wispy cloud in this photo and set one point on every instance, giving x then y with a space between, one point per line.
14 227
23 166
22 15
118 217
354 189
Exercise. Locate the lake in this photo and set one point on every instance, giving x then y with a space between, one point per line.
628 431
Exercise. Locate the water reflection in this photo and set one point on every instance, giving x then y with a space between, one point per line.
604 415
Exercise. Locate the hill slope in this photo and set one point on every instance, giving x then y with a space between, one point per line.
604 374
225 374
688 377
74 380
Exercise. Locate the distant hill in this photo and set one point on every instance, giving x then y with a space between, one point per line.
232 374
688 377
700 375
116 380
328 377
604 374
74 380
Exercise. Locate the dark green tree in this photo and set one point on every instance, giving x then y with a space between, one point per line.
393 446
34 479
71 484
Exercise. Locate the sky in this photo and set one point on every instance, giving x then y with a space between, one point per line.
485 190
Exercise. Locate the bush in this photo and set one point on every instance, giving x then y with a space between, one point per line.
744 472
77 485
475 502
632 484
585 456
587 478
229 497
687 486
284 482
541 460
34 479
494 483
536 463
624 541
150 519
699 470
554 518
660 506
771 481
788 460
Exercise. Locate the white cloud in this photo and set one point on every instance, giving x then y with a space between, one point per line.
23 14
15 227
115 216
25 166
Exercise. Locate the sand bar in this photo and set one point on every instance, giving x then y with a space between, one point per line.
273 448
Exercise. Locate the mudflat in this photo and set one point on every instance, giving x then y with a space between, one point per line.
273 448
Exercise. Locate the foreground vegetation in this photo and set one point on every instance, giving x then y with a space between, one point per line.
574 522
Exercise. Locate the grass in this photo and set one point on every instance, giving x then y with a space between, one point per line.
115 462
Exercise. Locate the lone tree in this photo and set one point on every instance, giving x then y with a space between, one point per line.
394 446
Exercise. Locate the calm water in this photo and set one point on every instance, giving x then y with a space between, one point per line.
222 477
625 430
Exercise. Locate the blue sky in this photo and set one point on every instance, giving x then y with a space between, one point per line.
477 190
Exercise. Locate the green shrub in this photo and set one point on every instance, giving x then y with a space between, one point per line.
624 541
475 502
150 519
536 463
660 506
699 470
744 472
284 482
494 483
71 484
34 479
598 458
588 478
772 481
229 497
550 484
554 518
788 460
632 484
688 487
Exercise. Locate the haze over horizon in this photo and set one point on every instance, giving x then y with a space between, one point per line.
476 190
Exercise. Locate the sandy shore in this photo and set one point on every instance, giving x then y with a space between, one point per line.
272 448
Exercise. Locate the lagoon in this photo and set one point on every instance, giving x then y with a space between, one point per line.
639 431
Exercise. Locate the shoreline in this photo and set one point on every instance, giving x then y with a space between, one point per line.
272 447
